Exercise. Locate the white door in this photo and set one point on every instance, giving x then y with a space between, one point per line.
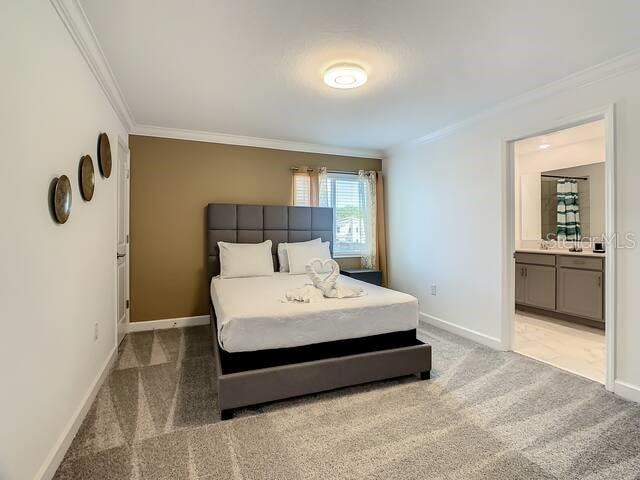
122 253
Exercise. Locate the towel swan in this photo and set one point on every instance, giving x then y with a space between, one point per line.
323 285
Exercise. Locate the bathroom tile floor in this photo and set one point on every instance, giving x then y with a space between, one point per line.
573 347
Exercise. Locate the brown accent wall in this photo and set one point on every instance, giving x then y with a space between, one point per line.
171 183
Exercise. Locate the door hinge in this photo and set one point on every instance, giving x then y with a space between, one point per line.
126 304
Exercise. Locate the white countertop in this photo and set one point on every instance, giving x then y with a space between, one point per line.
561 251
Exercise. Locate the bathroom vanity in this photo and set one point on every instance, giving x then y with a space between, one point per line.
566 283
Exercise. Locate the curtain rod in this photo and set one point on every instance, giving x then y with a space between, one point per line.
350 172
561 176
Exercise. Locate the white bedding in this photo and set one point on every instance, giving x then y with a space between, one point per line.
251 315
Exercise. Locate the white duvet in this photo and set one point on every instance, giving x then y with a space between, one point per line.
251 315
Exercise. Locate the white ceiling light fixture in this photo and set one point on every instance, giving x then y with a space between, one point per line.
544 143
345 76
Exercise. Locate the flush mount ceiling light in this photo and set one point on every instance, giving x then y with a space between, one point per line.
544 146
345 76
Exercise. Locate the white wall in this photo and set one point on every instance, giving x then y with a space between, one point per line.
57 280
528 201
445 201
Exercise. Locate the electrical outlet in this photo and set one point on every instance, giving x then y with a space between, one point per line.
434 289
96 331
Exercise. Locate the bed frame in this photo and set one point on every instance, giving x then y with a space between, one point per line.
249 378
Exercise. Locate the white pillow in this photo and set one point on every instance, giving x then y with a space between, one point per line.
301 254
283 258
245 259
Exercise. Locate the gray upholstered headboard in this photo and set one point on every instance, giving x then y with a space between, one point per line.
257 223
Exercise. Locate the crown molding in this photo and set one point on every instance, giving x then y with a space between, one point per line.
77 23
229 139
613 67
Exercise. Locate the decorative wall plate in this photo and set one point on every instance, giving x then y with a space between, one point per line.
104 155
87 178
62 199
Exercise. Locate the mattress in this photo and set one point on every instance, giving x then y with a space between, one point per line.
251 315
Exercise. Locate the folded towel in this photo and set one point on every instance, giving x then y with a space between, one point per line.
306 294
344 291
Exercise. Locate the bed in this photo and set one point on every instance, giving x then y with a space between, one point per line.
266 349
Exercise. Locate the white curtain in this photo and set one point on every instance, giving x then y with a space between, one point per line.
305 185
323 187
368 178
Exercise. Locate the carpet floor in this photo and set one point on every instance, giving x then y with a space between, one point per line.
483 415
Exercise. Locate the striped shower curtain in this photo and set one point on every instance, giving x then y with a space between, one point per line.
568 210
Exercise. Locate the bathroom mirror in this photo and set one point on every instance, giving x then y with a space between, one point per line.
567 202
564 203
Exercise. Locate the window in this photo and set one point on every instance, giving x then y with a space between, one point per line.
347 194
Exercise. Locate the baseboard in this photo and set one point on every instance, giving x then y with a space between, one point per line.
492 342
168 323
53 460
627 391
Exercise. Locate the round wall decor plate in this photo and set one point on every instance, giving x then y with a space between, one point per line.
104 155
87 178
62 199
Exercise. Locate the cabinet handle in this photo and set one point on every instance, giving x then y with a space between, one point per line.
599 281
526 271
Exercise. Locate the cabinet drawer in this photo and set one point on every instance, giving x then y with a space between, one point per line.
587 263
535 258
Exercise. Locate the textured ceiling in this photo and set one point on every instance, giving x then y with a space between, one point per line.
254 68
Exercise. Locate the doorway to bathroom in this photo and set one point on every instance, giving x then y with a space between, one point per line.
560 279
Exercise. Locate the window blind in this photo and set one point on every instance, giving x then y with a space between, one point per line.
302 192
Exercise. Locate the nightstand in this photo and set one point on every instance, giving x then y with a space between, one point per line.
364 274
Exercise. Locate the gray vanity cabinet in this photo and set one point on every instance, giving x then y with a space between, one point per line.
571 285
580 292
520 283
536 286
